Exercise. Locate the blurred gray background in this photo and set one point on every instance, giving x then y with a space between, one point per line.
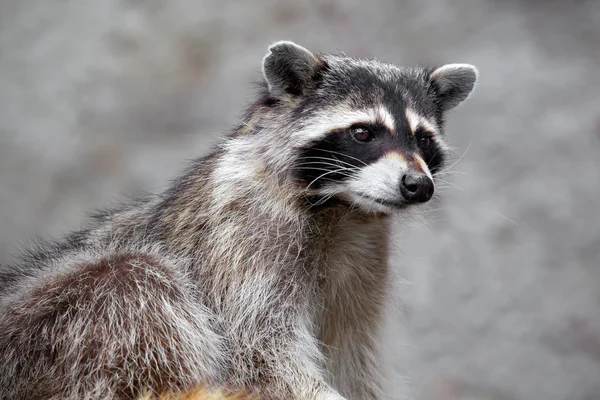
107 98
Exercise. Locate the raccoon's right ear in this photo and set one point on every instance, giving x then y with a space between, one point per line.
289 69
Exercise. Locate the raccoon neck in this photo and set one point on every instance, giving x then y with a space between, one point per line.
234 212
231 206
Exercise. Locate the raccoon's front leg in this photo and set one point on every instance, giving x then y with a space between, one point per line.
273 344
350 345
355 367
290 366
304 377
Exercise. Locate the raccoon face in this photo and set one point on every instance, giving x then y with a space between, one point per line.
365 133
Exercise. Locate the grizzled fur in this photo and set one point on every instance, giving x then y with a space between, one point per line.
263 267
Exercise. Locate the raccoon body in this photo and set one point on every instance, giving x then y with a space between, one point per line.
264 267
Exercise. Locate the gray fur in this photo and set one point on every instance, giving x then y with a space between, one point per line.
229 278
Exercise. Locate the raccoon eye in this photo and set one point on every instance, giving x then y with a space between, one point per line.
361 134
423 139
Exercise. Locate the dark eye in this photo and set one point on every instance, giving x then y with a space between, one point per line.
423 140
361 134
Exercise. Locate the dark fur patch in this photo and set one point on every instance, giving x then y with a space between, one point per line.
430 151
338 156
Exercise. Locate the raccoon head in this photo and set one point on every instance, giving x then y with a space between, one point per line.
364 133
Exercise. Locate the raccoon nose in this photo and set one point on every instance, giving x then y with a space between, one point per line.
416 187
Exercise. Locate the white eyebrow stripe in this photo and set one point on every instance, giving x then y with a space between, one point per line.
383 115
415 121
428 126
343 117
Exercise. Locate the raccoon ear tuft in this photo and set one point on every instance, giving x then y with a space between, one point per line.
289 69
453 83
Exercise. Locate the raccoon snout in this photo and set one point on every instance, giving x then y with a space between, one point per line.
416 187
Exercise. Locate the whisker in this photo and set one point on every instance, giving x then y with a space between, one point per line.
451 184
457 161
506 218
450 172
345 155
323 200
341 172
325 163
328 159
321 176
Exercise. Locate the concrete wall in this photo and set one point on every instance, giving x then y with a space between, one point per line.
102 99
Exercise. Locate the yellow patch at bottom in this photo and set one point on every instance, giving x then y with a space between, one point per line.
201 394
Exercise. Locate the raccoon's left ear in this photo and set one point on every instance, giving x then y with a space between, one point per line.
453 83
289 69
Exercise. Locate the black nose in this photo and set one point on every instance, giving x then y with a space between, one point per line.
416 187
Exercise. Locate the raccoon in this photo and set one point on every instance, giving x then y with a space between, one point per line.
264 266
